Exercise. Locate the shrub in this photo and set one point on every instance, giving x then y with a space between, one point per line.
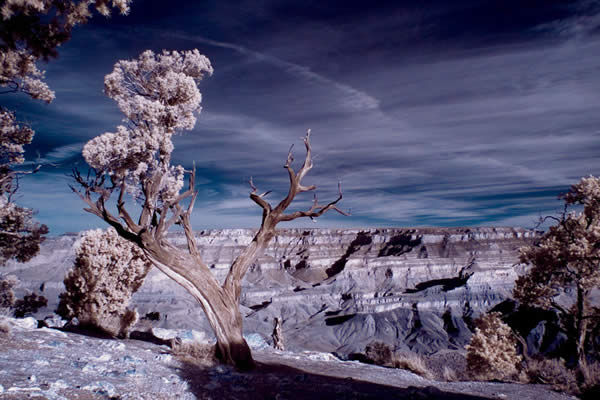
491 353
591 385
152 316
106 273
7 296
195 352
379 353
413 363
382 354
551 371
449 375
29 304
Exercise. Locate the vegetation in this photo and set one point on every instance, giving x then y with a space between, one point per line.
106 273
7 296
29 304
380 353
491 353
30 31
566 258
194 352
159 96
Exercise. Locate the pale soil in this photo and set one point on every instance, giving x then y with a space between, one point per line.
50 364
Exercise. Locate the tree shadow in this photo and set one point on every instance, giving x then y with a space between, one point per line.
272 380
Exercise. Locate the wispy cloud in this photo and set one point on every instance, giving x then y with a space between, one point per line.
355 100
435 132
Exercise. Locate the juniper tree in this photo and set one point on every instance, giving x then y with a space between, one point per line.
159 96
567 256
30 31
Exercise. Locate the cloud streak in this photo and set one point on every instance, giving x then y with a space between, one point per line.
445 124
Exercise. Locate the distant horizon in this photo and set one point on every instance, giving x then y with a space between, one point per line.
441 114
364 228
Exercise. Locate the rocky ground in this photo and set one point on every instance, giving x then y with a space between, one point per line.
52 364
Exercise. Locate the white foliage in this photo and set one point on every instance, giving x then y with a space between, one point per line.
158 94
18 69
491 352
13 136
107 271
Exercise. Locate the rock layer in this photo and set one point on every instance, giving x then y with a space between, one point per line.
335 289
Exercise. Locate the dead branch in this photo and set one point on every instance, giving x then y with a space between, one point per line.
271 217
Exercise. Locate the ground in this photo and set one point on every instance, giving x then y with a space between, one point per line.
52 364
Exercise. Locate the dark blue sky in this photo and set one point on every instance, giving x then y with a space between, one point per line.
438 113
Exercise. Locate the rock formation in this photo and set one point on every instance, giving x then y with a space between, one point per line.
335 289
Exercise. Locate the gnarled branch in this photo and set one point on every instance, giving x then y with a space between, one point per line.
271 217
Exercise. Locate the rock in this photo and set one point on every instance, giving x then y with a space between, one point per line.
164 334
535 338
184 335
256 341
23 323
336 289
102 388
54 321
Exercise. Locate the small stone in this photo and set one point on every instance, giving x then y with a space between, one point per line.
54 321
25 323
41 363
103 358
164 334
256 341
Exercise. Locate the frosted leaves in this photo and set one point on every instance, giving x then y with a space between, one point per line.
159 89
13 136
158 93
19 72
568 252
106 273
491 353
32 41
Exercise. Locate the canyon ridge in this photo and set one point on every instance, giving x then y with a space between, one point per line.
336 290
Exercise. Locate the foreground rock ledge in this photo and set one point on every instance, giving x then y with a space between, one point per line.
47 363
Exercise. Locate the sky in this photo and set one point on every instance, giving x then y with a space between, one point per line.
430 113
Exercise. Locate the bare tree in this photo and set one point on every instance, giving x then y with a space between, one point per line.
158 94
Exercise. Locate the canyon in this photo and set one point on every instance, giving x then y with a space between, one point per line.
335 290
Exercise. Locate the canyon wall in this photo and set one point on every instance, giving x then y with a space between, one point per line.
335 289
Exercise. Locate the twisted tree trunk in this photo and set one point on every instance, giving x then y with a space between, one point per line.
581 326
220 303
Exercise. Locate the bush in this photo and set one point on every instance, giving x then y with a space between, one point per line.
194 352
551 372
449 375
7 296
413 363
30 304
382 354
379 353
491 353
106 273
591 385
152 316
